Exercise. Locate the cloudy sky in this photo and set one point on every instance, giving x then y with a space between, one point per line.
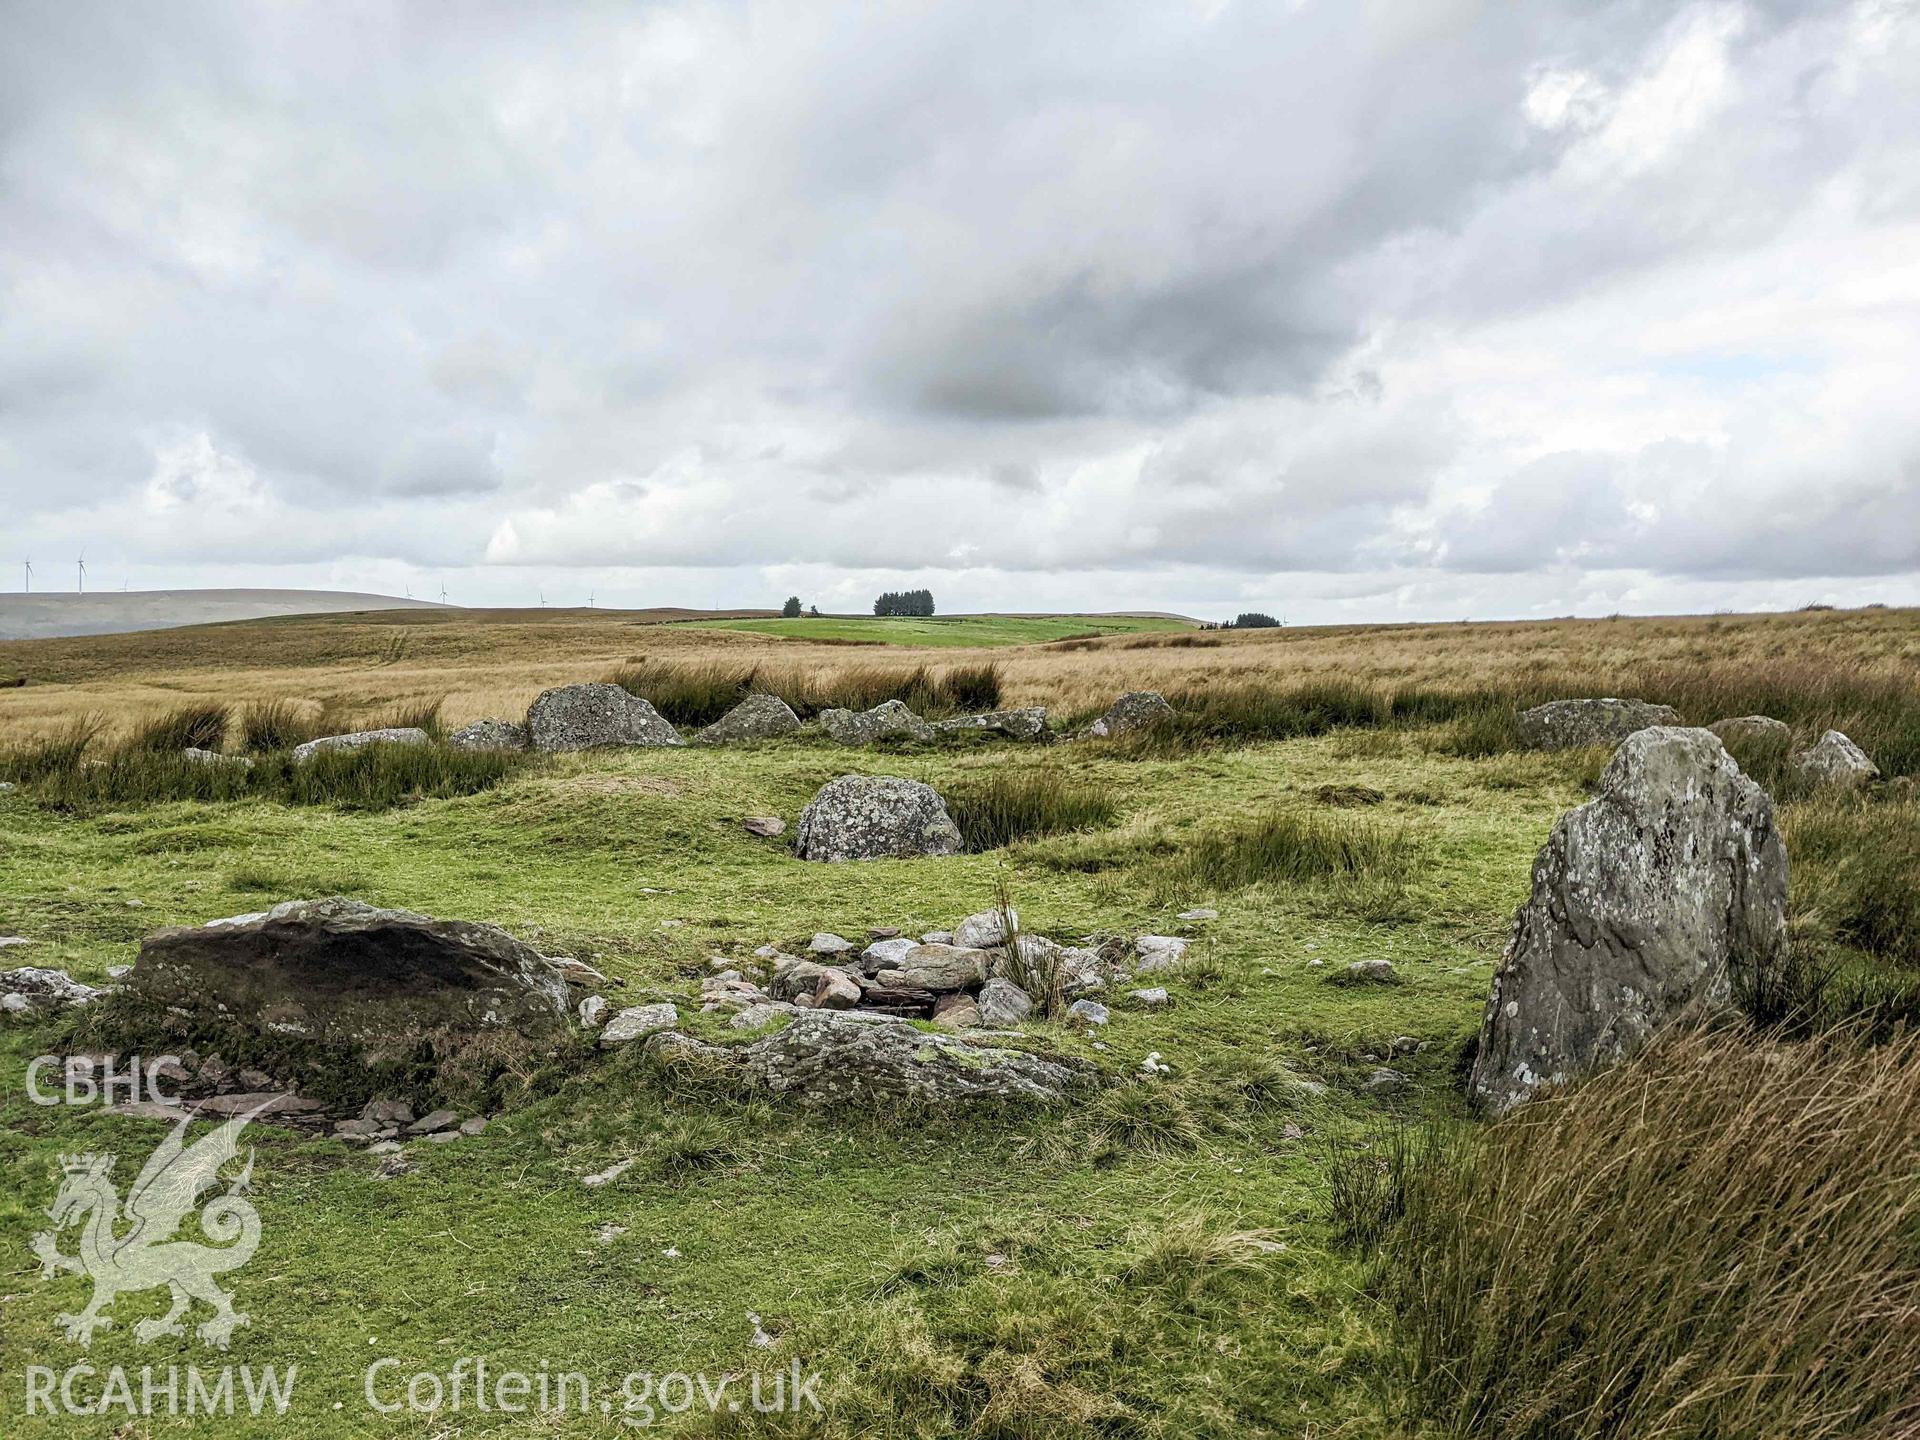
1357 309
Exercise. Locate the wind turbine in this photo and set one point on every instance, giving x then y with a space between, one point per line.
543 599
589 599
443 593
29 577
82 563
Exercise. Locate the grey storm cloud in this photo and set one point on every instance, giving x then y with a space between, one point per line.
1436 288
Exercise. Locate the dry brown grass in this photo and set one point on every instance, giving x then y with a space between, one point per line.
495 662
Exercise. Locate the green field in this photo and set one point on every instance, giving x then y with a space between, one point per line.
1160 1255
948 631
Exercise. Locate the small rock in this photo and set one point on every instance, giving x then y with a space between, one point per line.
384 1147
32 990
1156 953
1087 1012
637 1022
1198 914
593 1011
433 1123
1405 1045
1370 972
1153 1065
983 931
392 1165
576 972
1003 1003
379 1112
956 1012
887 954
607 1176
767 827
937 937
836 990
1153 998
475 1126
442 1137
884 932
607 1234
1136 710
824 943
1384 1082
1835 761
255 1080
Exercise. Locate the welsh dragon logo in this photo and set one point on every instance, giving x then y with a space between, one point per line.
144 1254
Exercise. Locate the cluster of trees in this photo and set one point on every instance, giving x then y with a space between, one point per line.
1246 620
905 602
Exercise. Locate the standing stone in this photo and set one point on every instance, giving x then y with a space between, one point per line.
490 735
1564 724
1835 761
886 721
1644 902
758 717
1136 710
875 817
586 717
359 740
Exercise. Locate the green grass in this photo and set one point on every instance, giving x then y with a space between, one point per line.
1104 1271
956 630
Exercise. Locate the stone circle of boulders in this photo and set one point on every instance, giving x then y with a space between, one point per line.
758 717
875 817
377 986
490 735
1565 724
1645 902
360 739
891 720
589 717
1835 762
827 1057
1136 710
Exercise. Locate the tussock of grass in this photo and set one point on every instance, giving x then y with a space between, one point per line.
1292 848
67 773
1715 1239
1013 805
1856 871
700 692
269 725
203 727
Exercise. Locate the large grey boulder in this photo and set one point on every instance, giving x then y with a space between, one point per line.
1136 710
490 735
1645 902
875 817
1564 724
887 721
359 740
587 717
827 1057
1836 762
1026 723
30 990
758 717
380 985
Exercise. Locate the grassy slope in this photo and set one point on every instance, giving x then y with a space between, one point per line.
862 1244
953 630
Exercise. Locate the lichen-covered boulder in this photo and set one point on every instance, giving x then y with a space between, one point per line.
490 735
887 721
758 717
380 985
360 739
1003 1003
1027 723
875 817
1833 761
637 1022
1564 724
1646 901
31 990
588 717
1136 710
828 1057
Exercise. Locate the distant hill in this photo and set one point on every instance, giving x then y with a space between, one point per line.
112 612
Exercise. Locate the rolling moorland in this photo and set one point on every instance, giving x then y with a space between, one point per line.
1249 1236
